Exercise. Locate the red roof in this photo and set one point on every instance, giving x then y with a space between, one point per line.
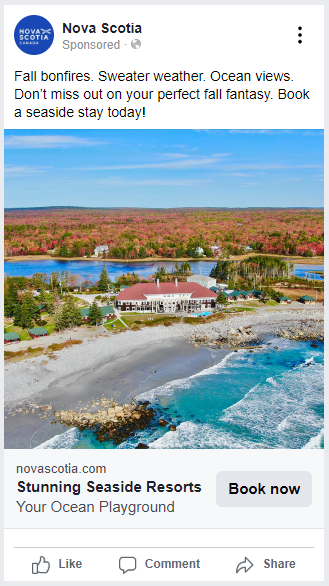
138 292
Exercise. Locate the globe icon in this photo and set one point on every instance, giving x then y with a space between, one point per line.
136 44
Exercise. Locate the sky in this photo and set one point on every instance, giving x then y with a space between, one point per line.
164 168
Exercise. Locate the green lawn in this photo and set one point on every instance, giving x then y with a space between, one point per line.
50 328
117 325
23 334
253 303
142 319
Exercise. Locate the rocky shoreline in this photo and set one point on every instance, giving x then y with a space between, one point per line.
126 365
245 337
309 330
112 422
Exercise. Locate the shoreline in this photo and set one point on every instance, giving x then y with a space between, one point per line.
293 259
123 377
121 366
94 350
124 260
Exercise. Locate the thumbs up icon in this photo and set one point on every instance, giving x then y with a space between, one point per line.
41 567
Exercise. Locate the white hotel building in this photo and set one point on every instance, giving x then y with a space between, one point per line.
166 297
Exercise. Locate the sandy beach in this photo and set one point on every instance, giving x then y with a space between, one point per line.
121 366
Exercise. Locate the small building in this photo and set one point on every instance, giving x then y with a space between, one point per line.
124 287
38 332
237 295
202 280
216 250
84 312
284 300
257 294
199 250
12 338
307 300
242 295
228 295
107 313
100 249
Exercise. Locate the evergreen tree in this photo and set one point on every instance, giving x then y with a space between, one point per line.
69 316
47 301
26 312
10 297
103 280
221 299
95 314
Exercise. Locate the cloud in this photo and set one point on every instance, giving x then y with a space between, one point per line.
313 132
269 166
123 182
48 141
238 174
178 162
256 131
14 170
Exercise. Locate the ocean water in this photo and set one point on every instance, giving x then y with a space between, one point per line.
268 399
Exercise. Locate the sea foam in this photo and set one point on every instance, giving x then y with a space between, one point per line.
63 441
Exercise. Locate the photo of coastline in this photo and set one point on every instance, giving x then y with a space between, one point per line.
164 289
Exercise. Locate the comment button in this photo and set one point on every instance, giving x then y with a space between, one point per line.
127 564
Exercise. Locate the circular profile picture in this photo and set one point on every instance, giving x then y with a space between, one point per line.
34 34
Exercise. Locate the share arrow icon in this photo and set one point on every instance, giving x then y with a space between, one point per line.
245 565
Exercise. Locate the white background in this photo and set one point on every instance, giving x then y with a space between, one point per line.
199 528
163 466
191 38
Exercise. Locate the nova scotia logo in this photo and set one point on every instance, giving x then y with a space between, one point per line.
34 35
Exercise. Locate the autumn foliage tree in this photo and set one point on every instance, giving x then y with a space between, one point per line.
167 233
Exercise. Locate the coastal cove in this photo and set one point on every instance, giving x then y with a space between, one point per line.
90 269
270 397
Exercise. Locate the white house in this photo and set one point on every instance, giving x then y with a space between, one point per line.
100 249
202 280
216 250
222 286
199 250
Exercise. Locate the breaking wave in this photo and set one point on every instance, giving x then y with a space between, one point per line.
271 398
63 441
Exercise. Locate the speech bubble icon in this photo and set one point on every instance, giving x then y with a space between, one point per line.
127 564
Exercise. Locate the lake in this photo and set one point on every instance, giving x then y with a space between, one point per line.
91 269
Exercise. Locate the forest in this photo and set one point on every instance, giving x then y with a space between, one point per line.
132 233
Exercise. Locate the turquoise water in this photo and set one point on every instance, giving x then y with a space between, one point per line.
202 313
265 399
